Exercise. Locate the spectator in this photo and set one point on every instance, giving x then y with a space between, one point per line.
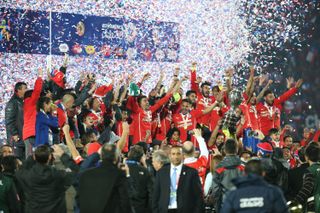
245 156
253 194
5 150
111 191
171 195
307 136
9 198
174 138
14 119
216 159
310 185
10 164
274 135
29 112
46 121
62 110
159 159
295 175
200 163
288 141
141 179
229 168
44 186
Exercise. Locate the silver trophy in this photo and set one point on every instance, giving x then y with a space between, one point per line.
231 119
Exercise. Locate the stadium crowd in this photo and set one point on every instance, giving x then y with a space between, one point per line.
113 148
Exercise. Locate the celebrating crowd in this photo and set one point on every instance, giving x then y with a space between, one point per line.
113 148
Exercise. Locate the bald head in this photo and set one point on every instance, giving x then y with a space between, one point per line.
188 149
68 101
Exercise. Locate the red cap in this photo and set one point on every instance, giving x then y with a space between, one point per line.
264 148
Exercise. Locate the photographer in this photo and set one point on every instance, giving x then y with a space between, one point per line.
44 186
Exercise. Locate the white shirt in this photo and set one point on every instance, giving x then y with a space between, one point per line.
207 183
174 205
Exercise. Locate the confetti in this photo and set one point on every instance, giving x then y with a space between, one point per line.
216 34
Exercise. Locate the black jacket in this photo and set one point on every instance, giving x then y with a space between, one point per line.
254 195
189 192
14 117
44 186
296 179
104 189
143 185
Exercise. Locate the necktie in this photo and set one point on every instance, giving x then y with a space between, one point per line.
173 187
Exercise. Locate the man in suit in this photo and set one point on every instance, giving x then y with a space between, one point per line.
177 187
104 189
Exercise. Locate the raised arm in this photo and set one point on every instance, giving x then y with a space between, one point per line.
158 86
116 93
202 144
37 87
263 90
132 104
285 96
229 74
193 77
166 98
125 133
250 81
65 61
144 77
173 83
123 94
74 152
214 133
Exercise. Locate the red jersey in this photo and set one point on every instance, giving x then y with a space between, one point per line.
200 164
216 114
119 133
186 122
142 119
202 102
254 119
270 115
163 124
245 111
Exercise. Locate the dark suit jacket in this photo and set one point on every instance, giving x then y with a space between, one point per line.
143 185
104 189
189 192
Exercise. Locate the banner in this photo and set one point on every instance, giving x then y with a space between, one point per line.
43 32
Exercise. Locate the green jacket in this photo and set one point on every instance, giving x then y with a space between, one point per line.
315 170
9 200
